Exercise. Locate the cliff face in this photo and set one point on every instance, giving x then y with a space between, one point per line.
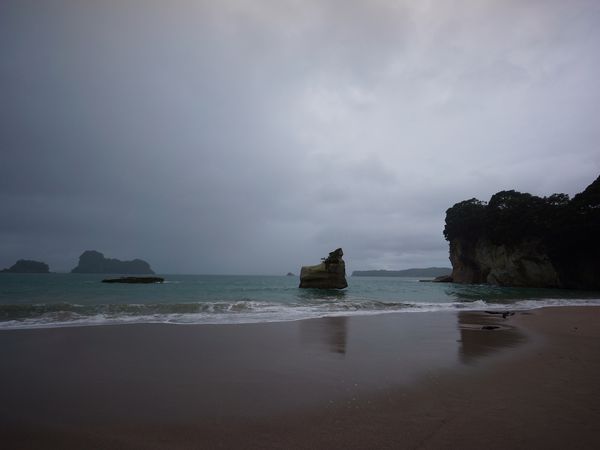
518 239
483 262
92 261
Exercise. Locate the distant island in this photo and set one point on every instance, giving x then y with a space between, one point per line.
92 261
519 239
27 266
425 272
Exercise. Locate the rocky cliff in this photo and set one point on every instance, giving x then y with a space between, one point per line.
92 261
483 262
519 239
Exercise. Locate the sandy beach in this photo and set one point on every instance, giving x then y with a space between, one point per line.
422 380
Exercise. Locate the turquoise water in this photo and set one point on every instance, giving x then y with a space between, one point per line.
51 300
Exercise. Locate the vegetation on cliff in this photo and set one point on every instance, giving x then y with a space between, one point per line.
566 229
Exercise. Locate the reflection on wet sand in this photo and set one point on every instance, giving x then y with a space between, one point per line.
330 332
479 335
483 334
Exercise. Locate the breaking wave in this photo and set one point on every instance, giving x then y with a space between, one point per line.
19 316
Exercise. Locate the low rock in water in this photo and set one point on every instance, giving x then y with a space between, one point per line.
134 280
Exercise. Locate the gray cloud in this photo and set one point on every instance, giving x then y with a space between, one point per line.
254 136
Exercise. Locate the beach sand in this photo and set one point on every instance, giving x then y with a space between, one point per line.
414 380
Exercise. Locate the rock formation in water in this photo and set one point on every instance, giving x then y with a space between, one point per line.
443 279
330 274
519 239
135 280
92 261
27 266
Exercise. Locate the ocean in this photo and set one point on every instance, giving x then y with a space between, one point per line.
60 300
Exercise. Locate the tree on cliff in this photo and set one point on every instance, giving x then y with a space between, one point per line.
508 217
513 216
575 241
465 219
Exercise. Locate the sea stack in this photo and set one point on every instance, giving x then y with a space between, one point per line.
330 274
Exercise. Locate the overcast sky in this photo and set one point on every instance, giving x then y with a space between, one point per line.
251 137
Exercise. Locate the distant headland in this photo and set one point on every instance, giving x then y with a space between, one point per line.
27 266
425 272
519 239
92 261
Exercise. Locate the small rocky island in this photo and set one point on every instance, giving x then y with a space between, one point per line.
330 274
27 266
92 261
519 239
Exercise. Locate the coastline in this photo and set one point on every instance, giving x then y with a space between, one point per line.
430 380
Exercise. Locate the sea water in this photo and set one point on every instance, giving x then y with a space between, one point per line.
57 300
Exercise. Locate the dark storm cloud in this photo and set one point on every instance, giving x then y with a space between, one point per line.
254 136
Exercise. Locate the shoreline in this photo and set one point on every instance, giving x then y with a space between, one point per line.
381 381
518 307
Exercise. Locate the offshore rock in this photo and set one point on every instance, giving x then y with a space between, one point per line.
134 280
330 274
443 279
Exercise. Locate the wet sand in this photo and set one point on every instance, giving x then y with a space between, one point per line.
423 380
